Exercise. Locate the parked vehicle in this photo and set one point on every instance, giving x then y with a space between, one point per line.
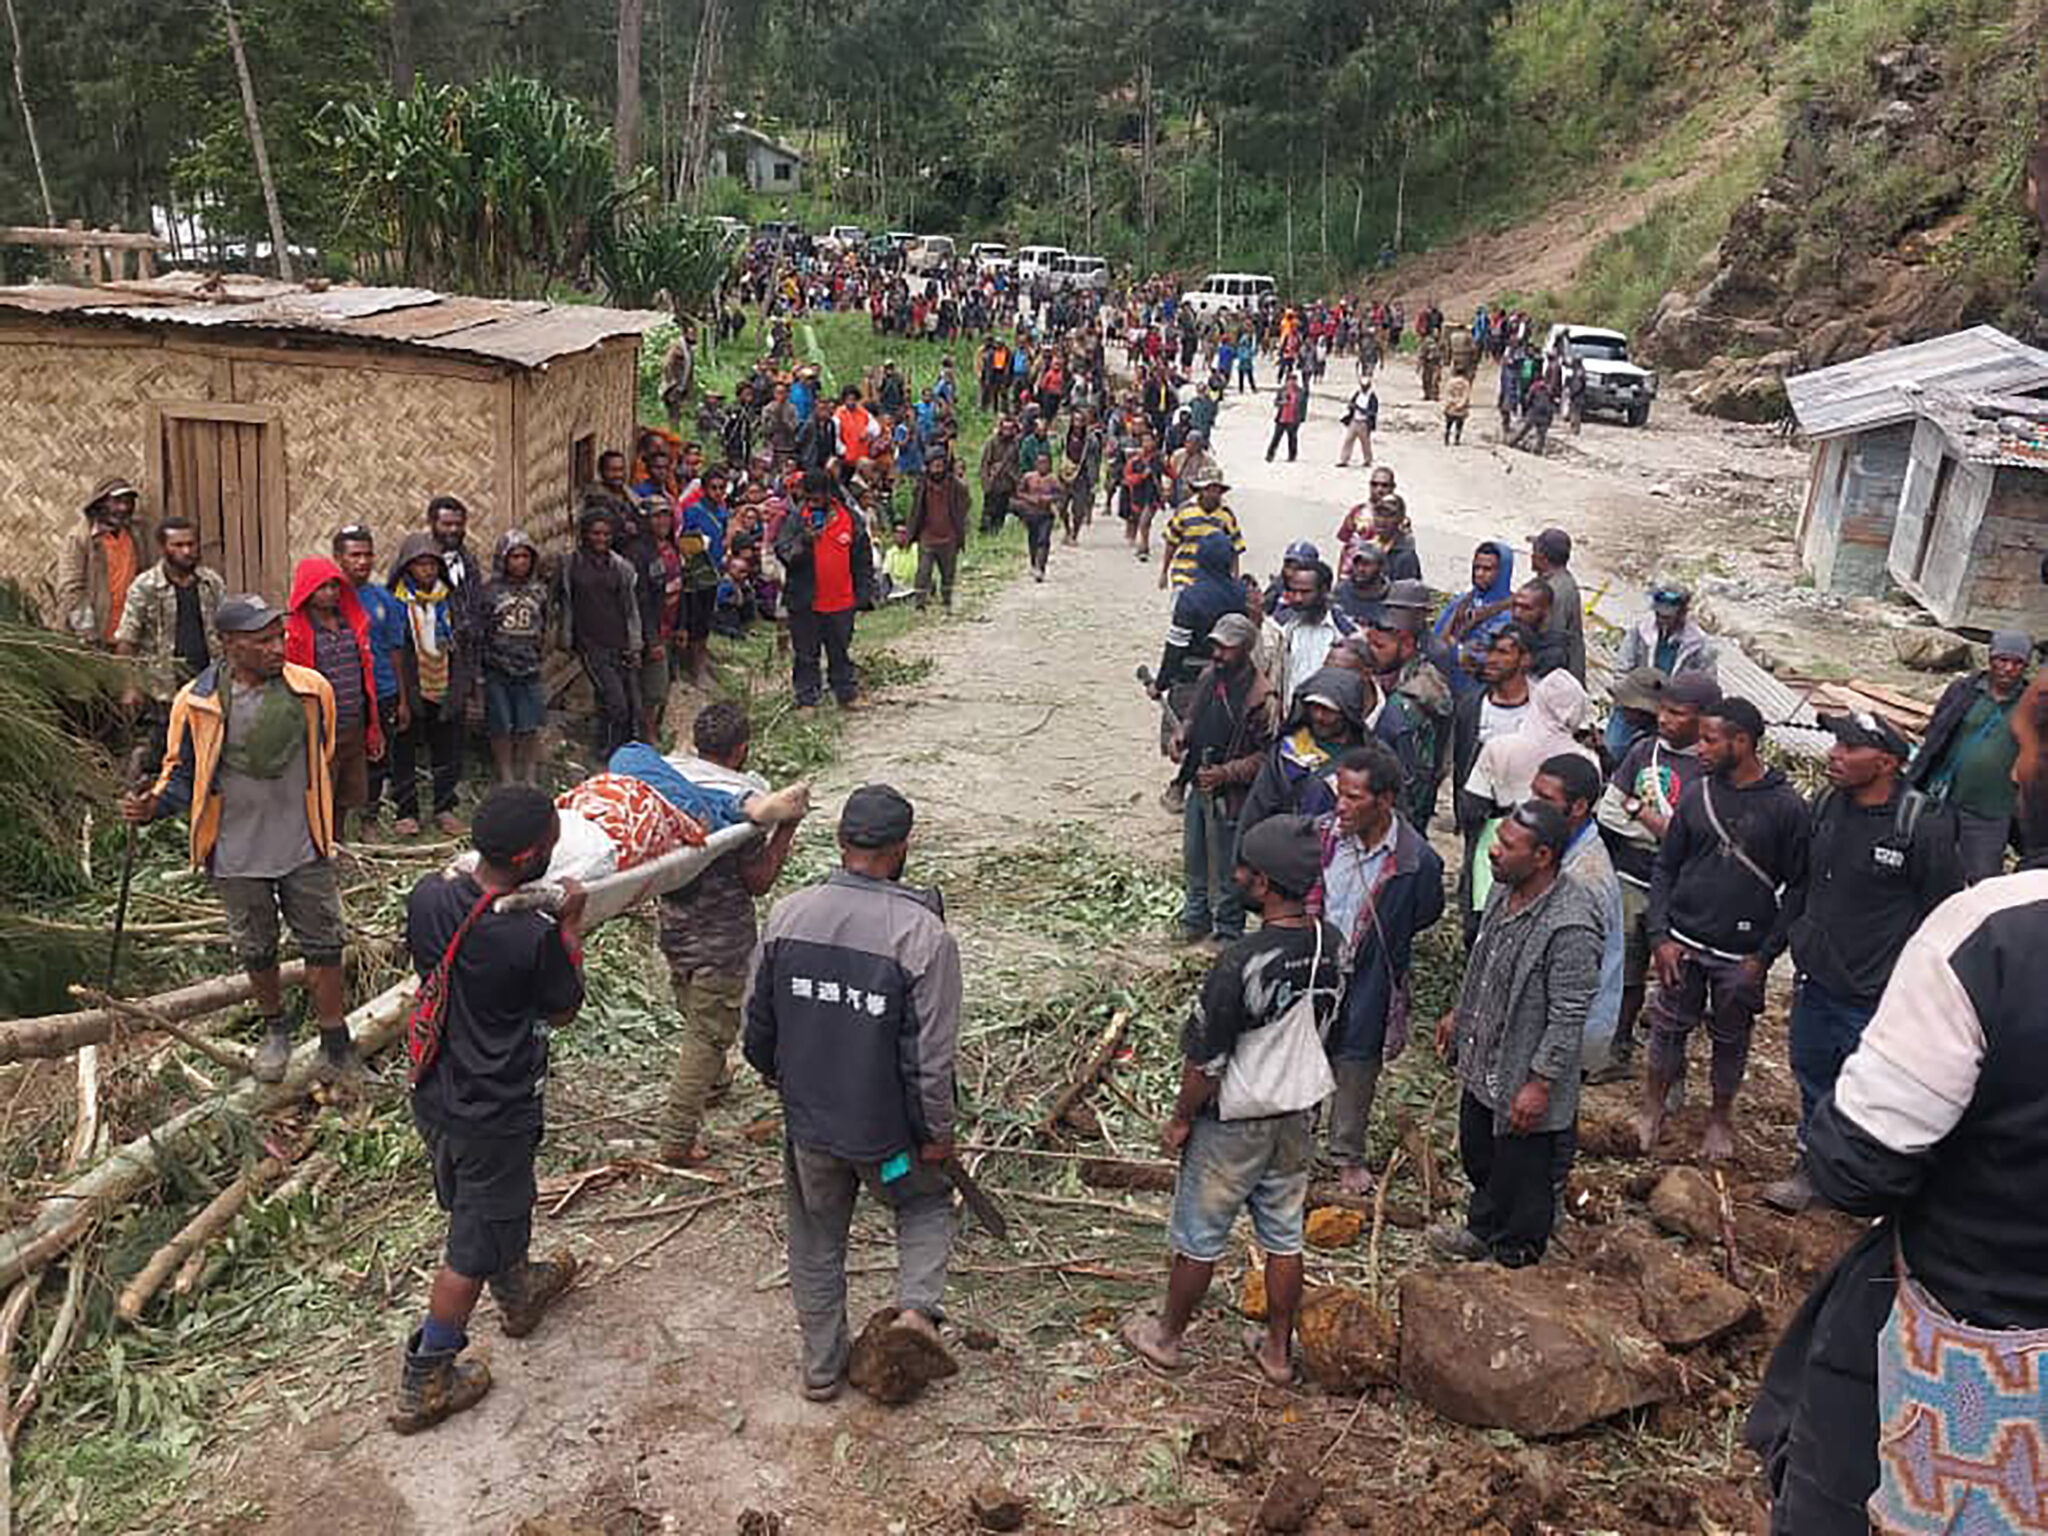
1035 261
1614 382
989 256
1087 273
730 229
841 238
1223 291
786 233
930 253
902 239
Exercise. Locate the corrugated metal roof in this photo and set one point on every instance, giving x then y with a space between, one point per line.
524 332
1876 391
2004 431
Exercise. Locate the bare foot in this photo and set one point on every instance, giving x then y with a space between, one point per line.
1148 1338
790 803
1649 1125
1718 1145
1276 1368
1355 1181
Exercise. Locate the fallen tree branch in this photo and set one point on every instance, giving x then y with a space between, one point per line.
191 1237
59 1034
54 1347
1069 1096
1727 1212
148 1018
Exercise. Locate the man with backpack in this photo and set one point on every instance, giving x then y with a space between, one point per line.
491 985
1252 1074
1361 420
1881 857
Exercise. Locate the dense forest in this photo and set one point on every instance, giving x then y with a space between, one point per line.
1307 139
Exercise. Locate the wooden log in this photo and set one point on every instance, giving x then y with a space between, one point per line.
136 1164
59 1034
1105 1048
219 1211
148 1018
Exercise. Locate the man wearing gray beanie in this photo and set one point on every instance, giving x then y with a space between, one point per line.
1966 760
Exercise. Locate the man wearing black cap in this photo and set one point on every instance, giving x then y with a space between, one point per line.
1966 759
1246 1137
1231 718
1550 556
1641 796
250 752
852 1015
1516 1034
503 979
1733 853
1880 859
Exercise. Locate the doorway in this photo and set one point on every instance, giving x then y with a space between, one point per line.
222 466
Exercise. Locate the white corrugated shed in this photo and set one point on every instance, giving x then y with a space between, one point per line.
1878 390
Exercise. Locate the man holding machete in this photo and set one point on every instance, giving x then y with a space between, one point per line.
853 1016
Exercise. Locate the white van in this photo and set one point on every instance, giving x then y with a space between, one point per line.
989 256
930 253
1088 273
1223 291
1035 261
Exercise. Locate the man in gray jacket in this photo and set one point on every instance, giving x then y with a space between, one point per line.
853 1015
1517 1032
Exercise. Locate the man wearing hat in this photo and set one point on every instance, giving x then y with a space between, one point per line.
248 762
1666 637
1311 625
1550 556
1220 744
1880 858
852 1016
1284 975
1966 758
1413 683
1300 553
1635 808
100 558
1192 522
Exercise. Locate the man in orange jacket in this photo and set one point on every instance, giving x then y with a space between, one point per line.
249 762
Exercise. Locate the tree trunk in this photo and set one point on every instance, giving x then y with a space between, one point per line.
1323 214
626 120
402 50
28 118
1290 235
59 1034
1145 160
256 142
1219 191
1401 193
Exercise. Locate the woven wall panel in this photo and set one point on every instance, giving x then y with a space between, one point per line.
590 393
69 417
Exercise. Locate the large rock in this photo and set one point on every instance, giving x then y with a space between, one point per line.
1523 1350
1347 1343
1333 1226
893 1365
1686 1304
1686 1203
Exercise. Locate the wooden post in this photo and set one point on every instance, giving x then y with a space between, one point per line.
28 117
256 142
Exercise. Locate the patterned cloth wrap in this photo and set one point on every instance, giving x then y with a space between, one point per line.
641 825
1963 1443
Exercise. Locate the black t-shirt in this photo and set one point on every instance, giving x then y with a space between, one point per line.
1255 981
189 642
510 976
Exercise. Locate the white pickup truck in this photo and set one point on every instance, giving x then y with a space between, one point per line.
1613 381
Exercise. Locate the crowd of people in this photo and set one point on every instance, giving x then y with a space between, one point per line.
1619 879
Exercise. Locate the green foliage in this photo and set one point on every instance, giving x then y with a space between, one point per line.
654 257
503 187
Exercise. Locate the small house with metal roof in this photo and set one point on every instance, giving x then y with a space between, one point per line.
272 413
1862 419
1971 541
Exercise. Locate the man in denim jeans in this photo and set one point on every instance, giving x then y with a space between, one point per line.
1220 745
1259 1163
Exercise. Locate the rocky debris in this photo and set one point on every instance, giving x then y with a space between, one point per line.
1290 1503
1607 1136
1685 1304
1483 1494
1332 1226
1251 1297
893 1365
1663 1506
1231 1444
995 1508
1348 1342
980 1340
760 1522
1595 1201
1932 650
1741 388
1684 1202
1107 1173
1526 1350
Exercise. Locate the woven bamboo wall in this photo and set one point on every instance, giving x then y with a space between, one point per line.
69 416
591 392
372 446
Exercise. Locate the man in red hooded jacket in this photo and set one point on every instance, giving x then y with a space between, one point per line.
328 631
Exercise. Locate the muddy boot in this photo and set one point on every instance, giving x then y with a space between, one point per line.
435 1383
275 1054
526 1290
340 1067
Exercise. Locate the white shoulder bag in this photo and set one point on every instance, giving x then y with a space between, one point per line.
1282 1067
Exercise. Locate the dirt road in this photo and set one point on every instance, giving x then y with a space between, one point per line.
665 1389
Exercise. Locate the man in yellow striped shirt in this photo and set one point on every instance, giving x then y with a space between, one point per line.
1191 522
